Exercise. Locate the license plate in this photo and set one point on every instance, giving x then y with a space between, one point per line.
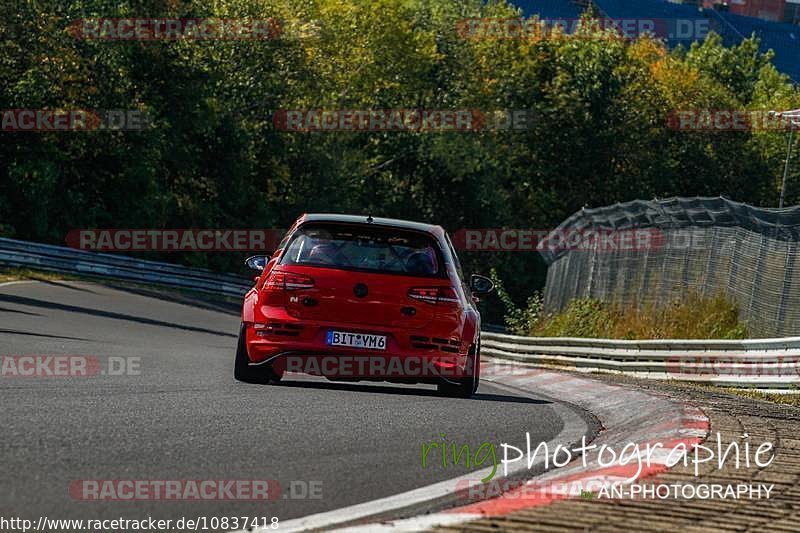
357 340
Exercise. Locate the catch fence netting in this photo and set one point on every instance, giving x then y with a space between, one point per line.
656 252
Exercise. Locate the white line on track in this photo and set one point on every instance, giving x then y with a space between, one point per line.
574 428
20 282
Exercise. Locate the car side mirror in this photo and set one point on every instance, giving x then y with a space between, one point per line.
480 284
256 262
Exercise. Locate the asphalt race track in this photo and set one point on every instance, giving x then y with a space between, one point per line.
181 415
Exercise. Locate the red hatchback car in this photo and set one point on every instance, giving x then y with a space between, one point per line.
360 298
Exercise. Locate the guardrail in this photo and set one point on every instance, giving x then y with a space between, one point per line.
61 259
765 364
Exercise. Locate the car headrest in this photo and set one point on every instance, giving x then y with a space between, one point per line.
419 263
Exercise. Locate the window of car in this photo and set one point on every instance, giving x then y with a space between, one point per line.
366 248
457 265
456 262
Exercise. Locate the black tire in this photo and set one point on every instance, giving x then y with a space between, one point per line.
242 371
466 386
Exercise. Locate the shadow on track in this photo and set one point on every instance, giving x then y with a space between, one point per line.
406 391
33 302
31 334
208 304
63 285
6 310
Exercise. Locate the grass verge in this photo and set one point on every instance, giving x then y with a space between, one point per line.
792 399
693 317
18 274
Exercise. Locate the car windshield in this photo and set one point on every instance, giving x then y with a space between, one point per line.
364 248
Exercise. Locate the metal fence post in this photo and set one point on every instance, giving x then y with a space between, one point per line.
734 270
710 260
780 325
645 265
592 266
762 252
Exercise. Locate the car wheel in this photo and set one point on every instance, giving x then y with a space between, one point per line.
242 371
477 366
466 386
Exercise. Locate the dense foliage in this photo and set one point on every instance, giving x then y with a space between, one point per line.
212 157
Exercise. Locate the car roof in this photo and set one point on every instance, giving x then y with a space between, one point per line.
377 221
